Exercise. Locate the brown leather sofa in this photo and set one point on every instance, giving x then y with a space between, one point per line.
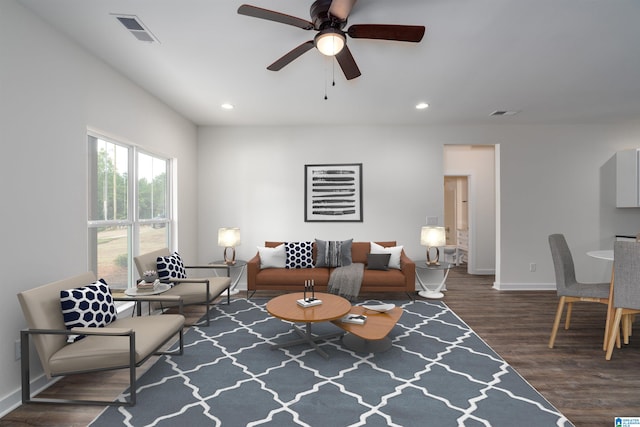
283 279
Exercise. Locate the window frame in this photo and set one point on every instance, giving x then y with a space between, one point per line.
133 223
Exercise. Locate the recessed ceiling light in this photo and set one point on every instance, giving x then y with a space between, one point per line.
227 106
422 106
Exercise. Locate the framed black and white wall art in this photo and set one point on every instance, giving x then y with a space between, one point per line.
333 193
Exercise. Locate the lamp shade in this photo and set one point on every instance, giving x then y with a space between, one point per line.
228 237
433 236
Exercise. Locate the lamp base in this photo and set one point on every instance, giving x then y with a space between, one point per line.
232 259
435 261
431 294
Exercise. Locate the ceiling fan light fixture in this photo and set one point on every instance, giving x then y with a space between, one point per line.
330 41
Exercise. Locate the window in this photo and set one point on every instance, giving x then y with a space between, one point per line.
129 207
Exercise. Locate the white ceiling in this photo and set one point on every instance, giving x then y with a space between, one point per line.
554 61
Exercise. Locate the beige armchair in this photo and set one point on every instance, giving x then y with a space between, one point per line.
124 343
192 291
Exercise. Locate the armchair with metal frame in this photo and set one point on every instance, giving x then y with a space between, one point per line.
193 291
126 343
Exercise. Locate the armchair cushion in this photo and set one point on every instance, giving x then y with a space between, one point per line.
87 306
171 267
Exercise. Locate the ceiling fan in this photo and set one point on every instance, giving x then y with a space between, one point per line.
329 17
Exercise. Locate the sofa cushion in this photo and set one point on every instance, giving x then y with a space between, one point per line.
87 306
378 261
333 253
395 251
274 278
299 254
171 267
272 257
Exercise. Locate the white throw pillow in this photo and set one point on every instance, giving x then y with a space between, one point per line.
272 257
394 259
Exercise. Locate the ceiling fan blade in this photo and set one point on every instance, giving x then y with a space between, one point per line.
348 64
402 33
270 15
341 8
290 56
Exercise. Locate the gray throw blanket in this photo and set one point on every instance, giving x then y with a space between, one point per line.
346 281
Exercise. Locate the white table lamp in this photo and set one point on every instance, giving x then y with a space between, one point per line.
433 237
229 238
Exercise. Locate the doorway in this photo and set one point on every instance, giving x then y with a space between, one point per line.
476 223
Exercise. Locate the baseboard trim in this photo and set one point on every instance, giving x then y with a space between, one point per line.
524 286
14 400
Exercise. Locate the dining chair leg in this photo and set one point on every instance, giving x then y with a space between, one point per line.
614 332
610 310
556 322
567 320
626 327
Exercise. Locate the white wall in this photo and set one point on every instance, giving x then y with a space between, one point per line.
51 92
252 178
554 178
478 163
559 179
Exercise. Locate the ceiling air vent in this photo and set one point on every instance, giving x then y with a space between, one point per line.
136 27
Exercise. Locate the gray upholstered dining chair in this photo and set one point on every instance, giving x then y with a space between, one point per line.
626 289
200 291
568 288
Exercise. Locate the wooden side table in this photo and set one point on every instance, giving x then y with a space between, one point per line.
286 308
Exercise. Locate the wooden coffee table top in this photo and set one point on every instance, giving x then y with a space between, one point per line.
377 326
285 307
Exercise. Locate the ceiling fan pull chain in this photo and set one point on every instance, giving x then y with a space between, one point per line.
325 84
333 72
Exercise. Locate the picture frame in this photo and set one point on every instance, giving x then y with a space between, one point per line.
333 192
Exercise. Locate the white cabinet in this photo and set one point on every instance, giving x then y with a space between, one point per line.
627 179
462 236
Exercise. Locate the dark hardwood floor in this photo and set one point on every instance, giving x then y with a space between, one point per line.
573 376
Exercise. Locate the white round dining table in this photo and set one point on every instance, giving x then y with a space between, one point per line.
606 254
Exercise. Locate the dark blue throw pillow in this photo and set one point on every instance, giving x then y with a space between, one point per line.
170 267
88 306
299 254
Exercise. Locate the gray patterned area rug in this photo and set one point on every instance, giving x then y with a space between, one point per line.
437 373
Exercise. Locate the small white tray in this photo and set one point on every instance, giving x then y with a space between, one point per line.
135 292
381 308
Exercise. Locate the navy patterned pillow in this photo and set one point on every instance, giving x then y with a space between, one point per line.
299 254
170 267
88 306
